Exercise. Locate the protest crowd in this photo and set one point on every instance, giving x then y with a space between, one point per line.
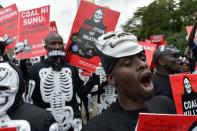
100 80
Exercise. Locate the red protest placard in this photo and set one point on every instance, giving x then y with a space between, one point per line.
53 27
158 39
149 50
184 88
166 122
8 129
91 21
33 28
9 17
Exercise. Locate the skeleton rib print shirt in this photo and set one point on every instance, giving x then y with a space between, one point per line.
56 89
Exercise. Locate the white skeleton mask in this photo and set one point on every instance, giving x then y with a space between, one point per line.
6 39
34 60
9 82
98 16
19 47
187 85
26 42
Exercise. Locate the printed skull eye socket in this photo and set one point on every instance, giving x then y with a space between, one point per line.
4 88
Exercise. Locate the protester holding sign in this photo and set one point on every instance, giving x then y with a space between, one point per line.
165 59
58 83
124 62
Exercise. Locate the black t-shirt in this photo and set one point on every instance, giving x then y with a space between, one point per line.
38 118
78 87
116 119
162 85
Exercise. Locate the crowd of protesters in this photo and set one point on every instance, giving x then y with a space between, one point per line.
48 94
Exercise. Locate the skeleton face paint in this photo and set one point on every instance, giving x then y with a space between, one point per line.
98 16
187 85
9 82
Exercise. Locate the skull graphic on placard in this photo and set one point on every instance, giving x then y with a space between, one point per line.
98 16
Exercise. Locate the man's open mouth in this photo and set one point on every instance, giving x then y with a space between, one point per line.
146 81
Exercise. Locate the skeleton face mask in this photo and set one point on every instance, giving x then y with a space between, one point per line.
9 83
35 60
26 42
98 15
19 47
187 85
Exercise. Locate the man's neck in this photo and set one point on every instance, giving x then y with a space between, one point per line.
129 105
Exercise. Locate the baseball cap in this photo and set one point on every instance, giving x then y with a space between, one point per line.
164 50
114 45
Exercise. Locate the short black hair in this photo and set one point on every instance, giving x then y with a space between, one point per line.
52 35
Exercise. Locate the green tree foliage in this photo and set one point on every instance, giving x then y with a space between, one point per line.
167 17
185 11
178 40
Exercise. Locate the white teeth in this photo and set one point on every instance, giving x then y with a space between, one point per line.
2 100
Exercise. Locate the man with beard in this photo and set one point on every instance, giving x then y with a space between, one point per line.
166 60
124 62
58 85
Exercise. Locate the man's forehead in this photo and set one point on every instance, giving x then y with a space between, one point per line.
53 37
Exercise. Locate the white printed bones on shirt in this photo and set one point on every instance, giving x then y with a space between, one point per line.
56 88
106 98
